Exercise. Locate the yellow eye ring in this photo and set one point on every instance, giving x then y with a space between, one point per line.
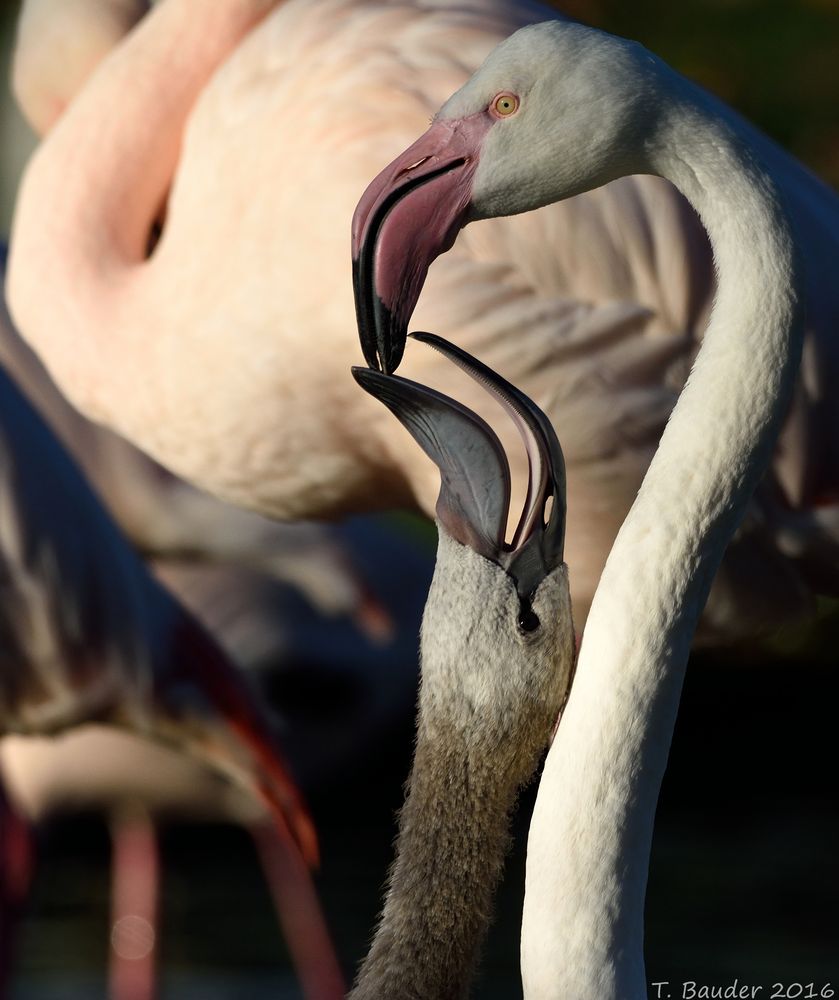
504 105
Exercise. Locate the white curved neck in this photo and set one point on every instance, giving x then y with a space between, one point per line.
590 837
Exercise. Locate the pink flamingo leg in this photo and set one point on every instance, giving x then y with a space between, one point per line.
135 876
299 913
16 868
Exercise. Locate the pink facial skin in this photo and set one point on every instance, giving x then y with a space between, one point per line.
410 230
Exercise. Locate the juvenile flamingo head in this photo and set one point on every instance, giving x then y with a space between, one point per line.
474 499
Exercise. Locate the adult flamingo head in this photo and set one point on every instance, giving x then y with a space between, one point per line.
555 110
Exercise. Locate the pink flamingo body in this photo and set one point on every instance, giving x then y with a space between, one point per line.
224 352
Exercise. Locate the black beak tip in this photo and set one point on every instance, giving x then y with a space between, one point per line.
370 352
382 342
390 336
363 375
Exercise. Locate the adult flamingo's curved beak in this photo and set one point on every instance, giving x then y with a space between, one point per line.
410 214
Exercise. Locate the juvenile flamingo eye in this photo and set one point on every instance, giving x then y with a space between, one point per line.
504 105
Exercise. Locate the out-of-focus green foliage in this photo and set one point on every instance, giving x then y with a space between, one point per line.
776 61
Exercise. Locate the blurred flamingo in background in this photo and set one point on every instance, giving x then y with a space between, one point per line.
89 636
169 520
64 42
249 132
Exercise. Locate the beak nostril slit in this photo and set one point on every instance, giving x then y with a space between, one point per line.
413 166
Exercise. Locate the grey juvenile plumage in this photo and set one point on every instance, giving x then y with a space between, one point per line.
494 679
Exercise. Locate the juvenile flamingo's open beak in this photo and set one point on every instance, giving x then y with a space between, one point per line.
410 214
474 496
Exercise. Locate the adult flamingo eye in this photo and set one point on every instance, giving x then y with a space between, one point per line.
504 105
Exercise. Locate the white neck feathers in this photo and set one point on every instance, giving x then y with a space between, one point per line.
591 833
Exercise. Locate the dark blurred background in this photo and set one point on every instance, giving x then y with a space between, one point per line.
745 874
774 60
